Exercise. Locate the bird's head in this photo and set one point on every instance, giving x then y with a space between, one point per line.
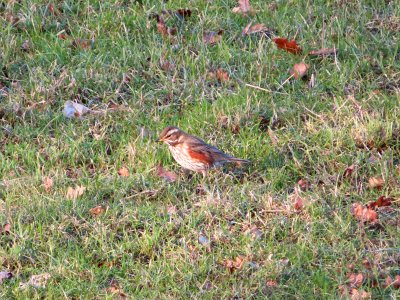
171 135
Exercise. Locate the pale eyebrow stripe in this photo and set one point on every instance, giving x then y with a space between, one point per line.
173 131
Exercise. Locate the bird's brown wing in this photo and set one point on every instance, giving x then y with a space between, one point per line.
201 151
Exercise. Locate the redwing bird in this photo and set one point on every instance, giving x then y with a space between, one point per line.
193 153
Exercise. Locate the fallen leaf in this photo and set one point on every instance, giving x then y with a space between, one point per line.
348 172
298 204
376 183
37 281
222 76
355 280
97 210
184 13
166 65
81 44
74 193
47 183
62 36
212 37
300 70
363 214
231 265
171 210
244 8
166 175
324 52
388 282
382 201
163 28
359 295
73 109
54 11
257 28
396 283
123 172
289 46
5 275
25 46
5 229
116 291
271 283
304 185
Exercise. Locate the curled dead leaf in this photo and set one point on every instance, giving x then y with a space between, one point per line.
349 171
123 172
231 265
298 204
300 70
5 229
382 201
5 275
74 193
166 175
257 28
37 281
47 183
355 280
222 76
244 8
163 28
212 37
363 214
323 52
73 109
289 46
97 210
304 185
376 183
81 44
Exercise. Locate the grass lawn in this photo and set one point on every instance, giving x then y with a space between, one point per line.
282 228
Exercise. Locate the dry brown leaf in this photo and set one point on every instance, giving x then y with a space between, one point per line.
47 183
5 275
81 44
123 172
166 65
97 210
355 280
363 214
298 204
5 229
212 37
234 264
184 13
323 52
388 282
396 283
359 295
289 46
348 172
257 28
37 281
382 201
300 70
74 193
222 76
166 175
244 8
271 283
376 183
304 185
163 28
73 109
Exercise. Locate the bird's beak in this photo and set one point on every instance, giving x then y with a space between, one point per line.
159 140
